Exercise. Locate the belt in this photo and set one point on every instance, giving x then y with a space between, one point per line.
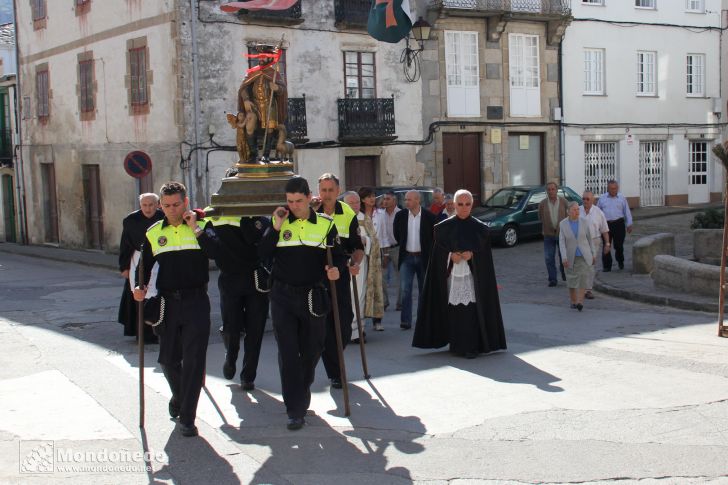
621 219
184 293
414 254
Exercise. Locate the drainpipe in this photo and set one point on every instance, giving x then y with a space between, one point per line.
194 172
18 149
562 134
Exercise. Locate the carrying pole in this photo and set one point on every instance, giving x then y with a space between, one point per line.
337 332
140 337
361 328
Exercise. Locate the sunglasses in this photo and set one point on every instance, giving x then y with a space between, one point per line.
467 204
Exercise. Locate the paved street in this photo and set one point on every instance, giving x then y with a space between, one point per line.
622 392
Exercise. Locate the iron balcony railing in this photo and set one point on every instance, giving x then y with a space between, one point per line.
366 119
292 13
351 13
6 146
550 7
296 121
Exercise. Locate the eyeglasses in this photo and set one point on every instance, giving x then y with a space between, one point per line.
586 198
467 204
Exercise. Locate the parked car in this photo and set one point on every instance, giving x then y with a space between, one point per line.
512 212
400 191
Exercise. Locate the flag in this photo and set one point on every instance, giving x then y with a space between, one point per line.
232 7
389 20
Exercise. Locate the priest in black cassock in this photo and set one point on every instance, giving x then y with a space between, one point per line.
134 232
459 302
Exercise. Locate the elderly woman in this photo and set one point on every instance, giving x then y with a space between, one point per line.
459 302
577 252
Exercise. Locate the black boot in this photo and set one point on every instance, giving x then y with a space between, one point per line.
253 147
232 346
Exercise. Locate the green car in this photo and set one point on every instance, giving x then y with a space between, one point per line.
512 212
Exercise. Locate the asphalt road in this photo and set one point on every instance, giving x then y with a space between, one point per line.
622 392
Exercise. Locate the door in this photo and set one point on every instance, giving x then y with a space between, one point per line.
652 162
50 202
698 187
92 197
361 172
8 208
525 159
461 163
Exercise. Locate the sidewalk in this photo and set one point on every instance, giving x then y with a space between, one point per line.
624 284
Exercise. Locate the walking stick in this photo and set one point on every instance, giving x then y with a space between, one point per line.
337 332
361 328
140 339
270 101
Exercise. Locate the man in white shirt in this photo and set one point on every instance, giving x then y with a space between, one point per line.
390 248
597 227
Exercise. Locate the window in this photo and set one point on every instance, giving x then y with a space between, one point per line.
696 6
42 93
593 71
646 79
600 165
592 2
252 49
644 3
524 73
82 2
698 170
82 6
696 75
86 81
360 75
138 64
38 9
462 66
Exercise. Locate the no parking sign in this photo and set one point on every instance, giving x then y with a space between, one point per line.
137 164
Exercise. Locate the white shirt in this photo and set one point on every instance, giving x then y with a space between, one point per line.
387 239
413 232
596 219
379 218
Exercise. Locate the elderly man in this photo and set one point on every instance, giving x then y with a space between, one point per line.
413 229
390 248
551 211
438 202
134 230
598 229
619 220
460 304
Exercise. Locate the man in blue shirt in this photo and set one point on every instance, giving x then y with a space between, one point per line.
619 220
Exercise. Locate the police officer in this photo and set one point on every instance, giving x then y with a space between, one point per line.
347 228
243 291
181 249
297 243
133 234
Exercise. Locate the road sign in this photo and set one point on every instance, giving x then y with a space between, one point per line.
137 164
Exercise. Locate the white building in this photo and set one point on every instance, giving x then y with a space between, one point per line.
103 81
642 99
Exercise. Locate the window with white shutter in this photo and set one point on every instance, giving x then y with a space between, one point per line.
695 75
463 83
524 74
593 71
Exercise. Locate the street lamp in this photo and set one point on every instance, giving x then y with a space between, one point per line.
410 57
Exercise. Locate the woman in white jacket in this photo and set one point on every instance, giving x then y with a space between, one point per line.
577 253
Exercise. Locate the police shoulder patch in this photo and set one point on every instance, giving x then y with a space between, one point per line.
287 235
258 225
162 240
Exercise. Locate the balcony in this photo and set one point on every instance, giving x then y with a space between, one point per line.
556 14
296 122
290 16
6 148
350 14
366 120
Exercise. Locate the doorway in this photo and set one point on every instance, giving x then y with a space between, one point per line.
92 197
360 172
50 202
8 208
525 159
461 163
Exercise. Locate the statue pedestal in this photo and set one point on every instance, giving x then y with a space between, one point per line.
256 190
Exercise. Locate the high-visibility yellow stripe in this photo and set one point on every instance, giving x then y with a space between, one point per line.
166 249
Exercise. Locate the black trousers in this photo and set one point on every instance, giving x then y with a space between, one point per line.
300 337
617 233
183 350
244 312
464 329
330 355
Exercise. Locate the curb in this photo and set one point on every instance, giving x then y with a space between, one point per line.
672 212
656 299
68 255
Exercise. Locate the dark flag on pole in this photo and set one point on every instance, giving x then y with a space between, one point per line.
389 20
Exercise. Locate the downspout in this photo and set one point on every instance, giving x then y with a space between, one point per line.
194 172
18 149
562 134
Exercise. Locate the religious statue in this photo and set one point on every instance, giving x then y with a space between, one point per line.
262 111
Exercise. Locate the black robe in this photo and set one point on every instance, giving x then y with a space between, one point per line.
433 328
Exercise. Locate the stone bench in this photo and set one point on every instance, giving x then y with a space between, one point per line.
646 248
685 275
707 244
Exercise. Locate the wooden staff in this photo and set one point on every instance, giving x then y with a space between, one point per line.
360 327
140 337
270 100
337 332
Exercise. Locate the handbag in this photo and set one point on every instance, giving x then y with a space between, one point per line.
154 314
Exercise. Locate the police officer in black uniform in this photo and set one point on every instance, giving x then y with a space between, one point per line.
133 234
243 291
347 261
181 248
297 244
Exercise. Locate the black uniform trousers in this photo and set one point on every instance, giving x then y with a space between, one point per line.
183 347
244 311
330 355
300 337
617 233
